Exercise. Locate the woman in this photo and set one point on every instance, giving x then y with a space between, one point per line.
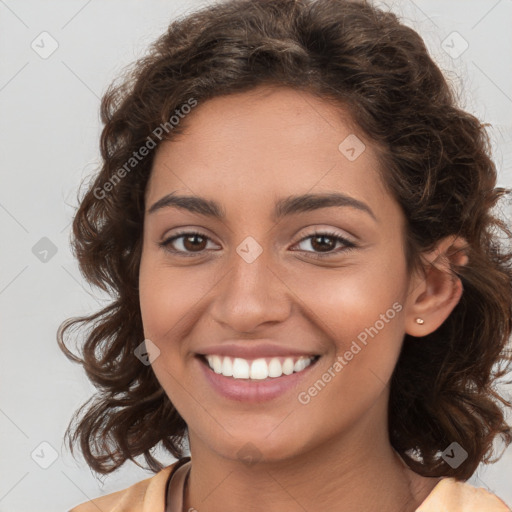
295 219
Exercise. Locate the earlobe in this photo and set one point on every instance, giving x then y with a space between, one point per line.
438 290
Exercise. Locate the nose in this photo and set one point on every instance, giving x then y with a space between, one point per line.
251 294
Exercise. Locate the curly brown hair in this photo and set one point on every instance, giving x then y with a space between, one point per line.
437 166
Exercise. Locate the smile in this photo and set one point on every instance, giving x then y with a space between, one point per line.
258 369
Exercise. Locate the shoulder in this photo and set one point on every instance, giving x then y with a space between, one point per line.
134 498
451 495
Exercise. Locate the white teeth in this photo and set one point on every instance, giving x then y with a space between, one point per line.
217 364
274 368
299 365
227 367
288 366
240 368
258 369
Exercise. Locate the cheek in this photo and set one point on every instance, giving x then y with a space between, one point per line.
170 297
167 297
360 313
348 301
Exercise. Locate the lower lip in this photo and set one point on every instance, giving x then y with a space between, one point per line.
245 390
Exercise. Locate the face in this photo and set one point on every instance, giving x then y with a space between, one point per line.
254 270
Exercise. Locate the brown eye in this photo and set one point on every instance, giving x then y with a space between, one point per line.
326 242
186 243
323 243
194 242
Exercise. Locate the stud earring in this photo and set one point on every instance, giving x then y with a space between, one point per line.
420 321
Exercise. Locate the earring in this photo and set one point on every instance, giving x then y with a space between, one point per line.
420 320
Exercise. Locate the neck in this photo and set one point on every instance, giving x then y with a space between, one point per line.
358 471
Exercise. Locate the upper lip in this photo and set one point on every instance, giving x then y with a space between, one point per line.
247 351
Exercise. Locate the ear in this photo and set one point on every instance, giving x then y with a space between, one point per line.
436 290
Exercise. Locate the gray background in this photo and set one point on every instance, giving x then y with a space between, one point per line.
49 126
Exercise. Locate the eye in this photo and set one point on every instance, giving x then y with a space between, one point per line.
191 242
326 242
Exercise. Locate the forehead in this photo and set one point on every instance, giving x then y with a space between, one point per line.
270 141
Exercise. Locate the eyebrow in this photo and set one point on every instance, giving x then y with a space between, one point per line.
284 207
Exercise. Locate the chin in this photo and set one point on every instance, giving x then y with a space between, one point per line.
256 448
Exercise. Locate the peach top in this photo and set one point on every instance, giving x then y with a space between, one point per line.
150 495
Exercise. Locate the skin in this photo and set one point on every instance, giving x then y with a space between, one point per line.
246 151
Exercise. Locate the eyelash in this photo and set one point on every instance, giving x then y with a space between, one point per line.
348 244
